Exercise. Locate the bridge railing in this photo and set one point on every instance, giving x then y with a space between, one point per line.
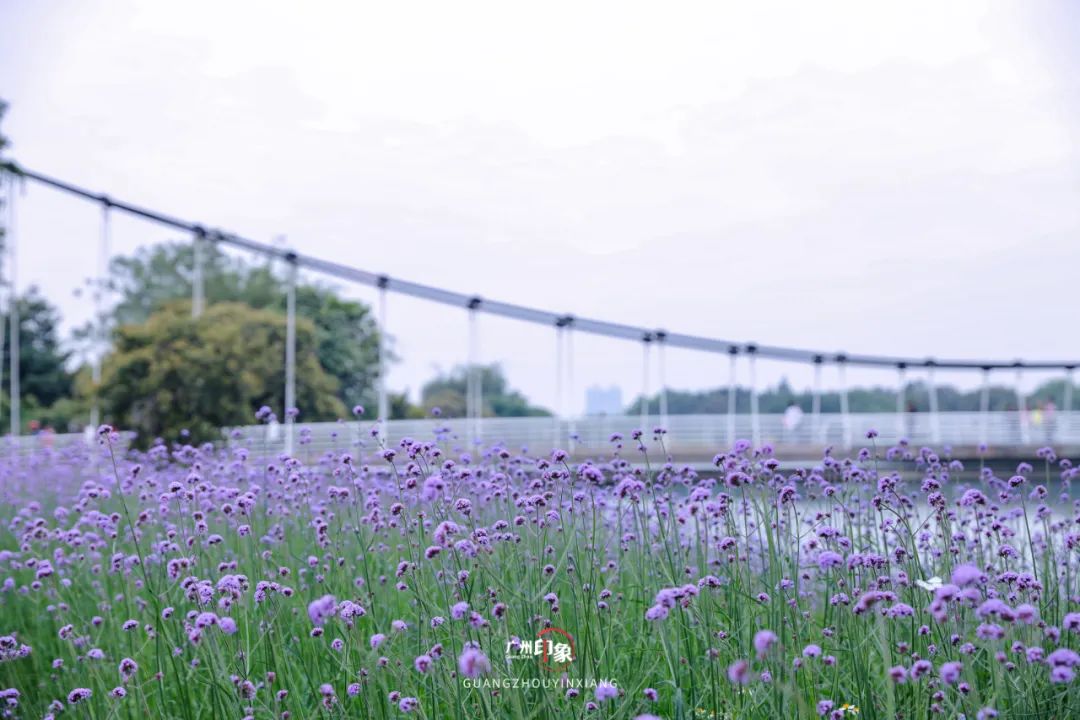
699 433
693 434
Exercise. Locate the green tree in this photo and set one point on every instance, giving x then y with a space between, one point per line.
5 164
175 372
44 377
447 392
346 334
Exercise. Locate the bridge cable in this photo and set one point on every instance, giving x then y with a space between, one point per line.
518 312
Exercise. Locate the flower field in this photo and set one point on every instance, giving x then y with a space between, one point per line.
420 580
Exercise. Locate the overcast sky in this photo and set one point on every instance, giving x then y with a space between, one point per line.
843 176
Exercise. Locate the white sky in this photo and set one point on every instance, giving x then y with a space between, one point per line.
897 178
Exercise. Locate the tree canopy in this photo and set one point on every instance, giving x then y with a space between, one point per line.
175 372
5 164
346 335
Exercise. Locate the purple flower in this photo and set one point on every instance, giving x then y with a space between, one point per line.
900 610
656 612
422 663
1026 613
920 668
1063 657
473 662
128 667
606 691
964 575
77 695
950 672
739 672
1062 674
763 642
322 609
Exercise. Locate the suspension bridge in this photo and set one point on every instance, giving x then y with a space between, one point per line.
1008 433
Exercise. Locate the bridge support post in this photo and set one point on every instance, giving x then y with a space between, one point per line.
661 368
1066 415
984 408
1021 405
197 289
474 392
755 418
845 415
935 420
556 425
901 400
6 187
815 402
646 340
383 410
569 365
104 244
731 390
290 354
15 393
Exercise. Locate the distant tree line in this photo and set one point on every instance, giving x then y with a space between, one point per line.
860 399
447 392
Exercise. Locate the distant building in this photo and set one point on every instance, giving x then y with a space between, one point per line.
603 401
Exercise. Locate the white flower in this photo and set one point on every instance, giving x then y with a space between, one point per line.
930 585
